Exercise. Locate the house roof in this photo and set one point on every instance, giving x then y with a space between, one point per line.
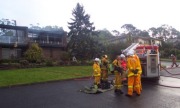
62 33
13 27
146 38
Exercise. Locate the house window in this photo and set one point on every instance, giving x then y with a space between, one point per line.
8 53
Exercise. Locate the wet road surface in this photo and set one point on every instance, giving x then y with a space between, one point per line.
65 94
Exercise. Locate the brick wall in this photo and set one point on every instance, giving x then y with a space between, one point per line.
52 53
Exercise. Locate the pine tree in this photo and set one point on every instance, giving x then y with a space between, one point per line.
81 30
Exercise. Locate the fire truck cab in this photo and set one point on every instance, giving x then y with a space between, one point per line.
149 58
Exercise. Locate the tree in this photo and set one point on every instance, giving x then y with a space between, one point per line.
144 33
7 22
116 32
153 31
81 44
34 53
129 29
164 32
3 31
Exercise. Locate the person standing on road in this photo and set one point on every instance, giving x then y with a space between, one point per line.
104 68
96 72
140 69
124 66
173 57
133 75
118 75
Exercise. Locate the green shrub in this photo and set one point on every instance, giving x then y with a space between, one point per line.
65 56
24 62
9 61
178 56
34 53
49 63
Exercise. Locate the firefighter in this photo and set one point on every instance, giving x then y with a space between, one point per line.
173 57
118 75
133 75
124 66
140 69
96 72
104 68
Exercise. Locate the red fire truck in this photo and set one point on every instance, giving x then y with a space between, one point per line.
149 57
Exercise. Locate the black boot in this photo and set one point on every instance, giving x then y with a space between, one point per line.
99 85
118 91
128 95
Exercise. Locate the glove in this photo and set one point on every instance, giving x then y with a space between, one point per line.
136 71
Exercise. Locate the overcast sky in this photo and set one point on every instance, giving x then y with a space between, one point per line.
110 14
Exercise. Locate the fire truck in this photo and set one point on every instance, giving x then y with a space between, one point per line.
149 58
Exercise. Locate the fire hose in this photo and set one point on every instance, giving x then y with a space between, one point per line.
168 76
168 71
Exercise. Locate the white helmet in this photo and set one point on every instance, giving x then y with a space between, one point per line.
122 56
130 53
96 59
172 55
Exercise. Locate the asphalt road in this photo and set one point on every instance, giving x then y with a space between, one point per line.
65 94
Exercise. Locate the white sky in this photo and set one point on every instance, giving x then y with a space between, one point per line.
110 14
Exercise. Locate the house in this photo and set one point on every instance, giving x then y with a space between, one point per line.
15 40
53 43
146 40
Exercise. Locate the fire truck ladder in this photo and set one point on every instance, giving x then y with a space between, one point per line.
130 48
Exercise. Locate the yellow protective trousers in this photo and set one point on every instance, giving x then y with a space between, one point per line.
97 80
134 83
104 75
118 80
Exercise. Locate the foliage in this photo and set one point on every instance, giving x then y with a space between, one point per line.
130 29
103 36
65 56
116 49
7 22
167 49
24 62
164 32
34 53
81 44
49 62
178 56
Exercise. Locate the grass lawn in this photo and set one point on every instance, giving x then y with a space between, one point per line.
34 75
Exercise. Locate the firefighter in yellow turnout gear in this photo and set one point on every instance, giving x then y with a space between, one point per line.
134 73
118 75
104 68
96 72
140 70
